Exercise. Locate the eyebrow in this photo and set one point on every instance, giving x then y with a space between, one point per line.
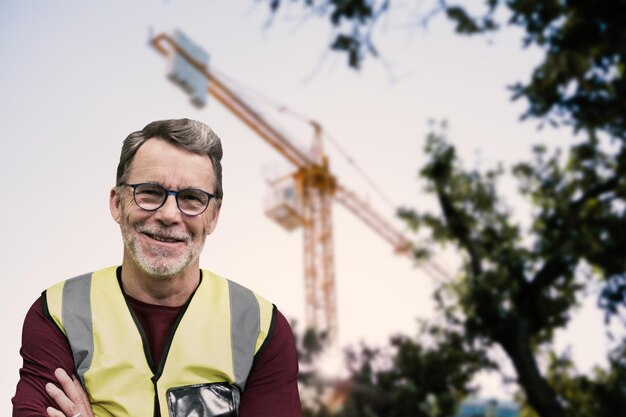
171 189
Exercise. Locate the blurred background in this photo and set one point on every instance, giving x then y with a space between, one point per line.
78 77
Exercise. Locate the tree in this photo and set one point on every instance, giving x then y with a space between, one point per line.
600 395
580 80
518 285
427 376
310 345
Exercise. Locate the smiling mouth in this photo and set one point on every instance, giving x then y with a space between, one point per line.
163 238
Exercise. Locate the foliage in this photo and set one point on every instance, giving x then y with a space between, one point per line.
580 80
521 282
424 377
310 345
358 15
600 395
518 285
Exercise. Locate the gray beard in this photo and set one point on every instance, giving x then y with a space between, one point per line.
160 265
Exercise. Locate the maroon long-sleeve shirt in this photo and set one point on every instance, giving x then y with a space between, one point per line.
271 388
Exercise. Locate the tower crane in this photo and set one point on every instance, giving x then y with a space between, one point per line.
304 198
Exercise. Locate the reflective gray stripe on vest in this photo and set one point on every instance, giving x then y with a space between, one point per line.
245 325
76 317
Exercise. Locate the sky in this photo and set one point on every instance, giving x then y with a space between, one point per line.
77 77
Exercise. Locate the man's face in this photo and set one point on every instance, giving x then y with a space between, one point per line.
163 243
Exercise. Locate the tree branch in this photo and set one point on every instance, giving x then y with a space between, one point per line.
458 229
596 191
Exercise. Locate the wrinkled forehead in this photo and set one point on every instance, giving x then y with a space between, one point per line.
171 166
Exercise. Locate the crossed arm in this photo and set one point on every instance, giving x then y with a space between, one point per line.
70 398
271 390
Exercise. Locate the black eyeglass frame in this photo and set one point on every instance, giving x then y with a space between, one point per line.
167 194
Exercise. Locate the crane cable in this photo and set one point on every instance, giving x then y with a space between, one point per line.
281 108
361 172
432 268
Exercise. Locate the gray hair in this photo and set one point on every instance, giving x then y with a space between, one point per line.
190 135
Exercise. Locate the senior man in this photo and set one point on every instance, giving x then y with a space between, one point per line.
158 336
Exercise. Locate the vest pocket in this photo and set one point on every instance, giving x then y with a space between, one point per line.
218 399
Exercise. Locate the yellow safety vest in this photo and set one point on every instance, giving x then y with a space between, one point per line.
208 354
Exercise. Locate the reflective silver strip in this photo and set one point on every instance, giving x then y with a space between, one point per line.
76 317
245 325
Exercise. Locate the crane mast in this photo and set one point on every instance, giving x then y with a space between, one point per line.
306 200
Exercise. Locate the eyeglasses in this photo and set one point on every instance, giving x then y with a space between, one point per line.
151 197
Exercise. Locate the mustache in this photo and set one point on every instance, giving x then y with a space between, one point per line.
164 232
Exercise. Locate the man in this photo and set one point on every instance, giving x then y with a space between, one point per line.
158 336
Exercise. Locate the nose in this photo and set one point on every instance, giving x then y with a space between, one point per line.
168 213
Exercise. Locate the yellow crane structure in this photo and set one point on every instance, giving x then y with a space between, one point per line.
304 198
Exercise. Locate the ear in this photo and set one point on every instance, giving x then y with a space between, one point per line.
213 220
114 205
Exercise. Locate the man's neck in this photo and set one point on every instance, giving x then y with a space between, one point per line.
172 291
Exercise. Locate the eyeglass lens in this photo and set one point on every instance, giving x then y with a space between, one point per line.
152 196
